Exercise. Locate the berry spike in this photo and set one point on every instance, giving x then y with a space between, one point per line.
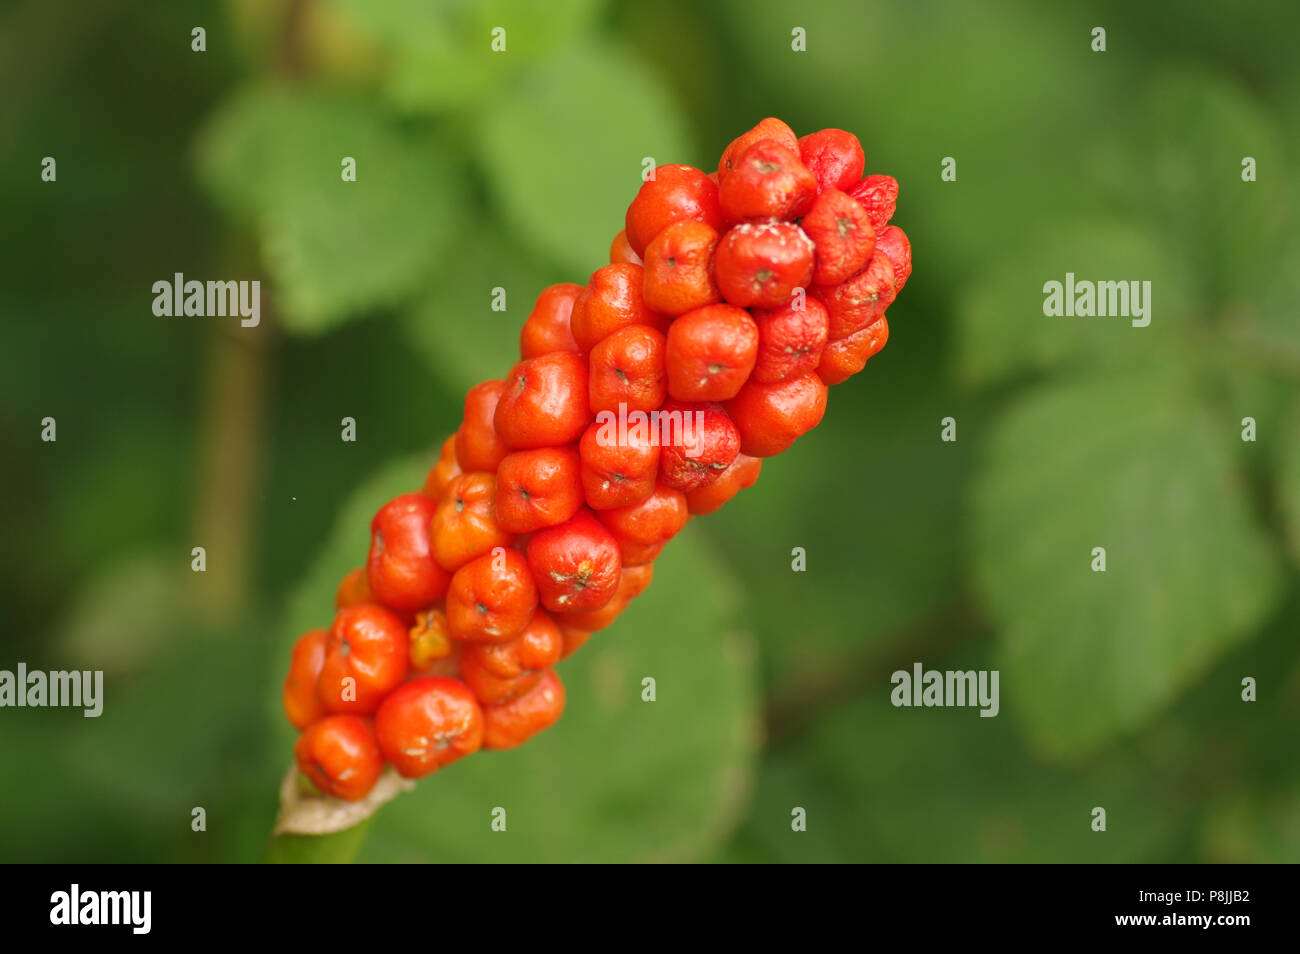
731 302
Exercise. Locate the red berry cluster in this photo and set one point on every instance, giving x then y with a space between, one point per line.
731 301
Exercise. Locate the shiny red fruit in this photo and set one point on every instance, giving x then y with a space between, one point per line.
428 723
576 565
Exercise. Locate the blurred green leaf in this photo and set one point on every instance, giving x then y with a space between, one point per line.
335 249
1247 40
186 732
1253 828
1001 330
886 784
915 82
563 153
1178 170
617 778
788 779
860 66
1261 320
123 616
442 54
453 326
1288 481
866 494
1131 463
1269 401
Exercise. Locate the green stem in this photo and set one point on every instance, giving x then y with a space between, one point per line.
312 828
336 848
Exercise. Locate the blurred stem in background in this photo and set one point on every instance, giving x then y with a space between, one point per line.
231 462
233 425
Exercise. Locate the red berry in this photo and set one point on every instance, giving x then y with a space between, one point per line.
842 232
612 300
353 589
762 264
617 470
464 524
544 403
790 340
576 564
574 639
301 703
492 598
499 672
401 571
677 193
742 473
635 580
893 242
429 641
857 302
772 416
642 529
596 620
628 368
487 686
515 722
713 444
631 583
767 182
834 157
428 723
770 128
537 488
441 473
846 357
710 353
620 250
547 328
478 446
365 657
340 756
679 268
879 196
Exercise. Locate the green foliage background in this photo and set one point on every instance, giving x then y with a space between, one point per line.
478 170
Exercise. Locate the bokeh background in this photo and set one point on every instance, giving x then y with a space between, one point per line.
478 170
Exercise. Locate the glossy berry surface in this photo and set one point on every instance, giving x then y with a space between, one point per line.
731 302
